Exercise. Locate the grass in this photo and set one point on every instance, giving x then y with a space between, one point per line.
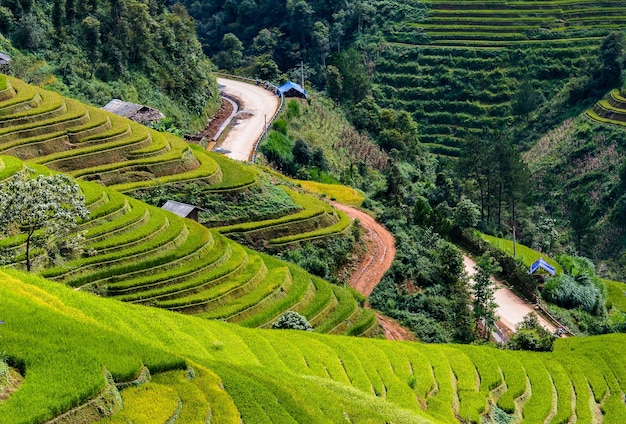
526 254
206 368
340 193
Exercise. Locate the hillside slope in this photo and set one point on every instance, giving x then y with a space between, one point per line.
145 255
470 64
279 376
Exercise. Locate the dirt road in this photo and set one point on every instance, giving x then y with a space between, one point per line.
257 107
381 251
511 309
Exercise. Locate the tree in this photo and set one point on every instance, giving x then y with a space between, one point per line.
91 28
45 210
483 290
467 213
525 100
580 218
232 52
530 335
334 83
612 54
292 320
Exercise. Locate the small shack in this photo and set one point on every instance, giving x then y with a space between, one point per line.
182 209
291 89
5 63
138 113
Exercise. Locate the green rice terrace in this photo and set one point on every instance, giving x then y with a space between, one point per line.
457 69
611 110
145 255
79 342
76 357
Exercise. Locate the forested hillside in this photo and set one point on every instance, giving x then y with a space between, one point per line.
138 51
478 84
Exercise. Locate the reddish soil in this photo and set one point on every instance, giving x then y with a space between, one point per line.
381 251
215 123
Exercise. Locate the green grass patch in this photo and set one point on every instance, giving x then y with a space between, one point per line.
525 253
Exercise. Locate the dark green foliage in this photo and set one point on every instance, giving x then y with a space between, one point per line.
292 320
326 258
423 289
530 335
143 52
612 57
277 148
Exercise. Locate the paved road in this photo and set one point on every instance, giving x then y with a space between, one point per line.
511 309
256 103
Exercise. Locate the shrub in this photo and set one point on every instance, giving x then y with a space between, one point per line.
292 320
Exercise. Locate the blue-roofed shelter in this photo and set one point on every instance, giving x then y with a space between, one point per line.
291 89
542 264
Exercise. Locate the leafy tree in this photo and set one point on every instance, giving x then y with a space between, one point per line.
92 40
356 81
579 213
321 41
292 320
466 214
231 54
612 54
265 42
302 152
530 335
483 290
334 83
44 209
265 68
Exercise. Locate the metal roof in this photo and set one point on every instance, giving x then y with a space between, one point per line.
121 108
180 209
290 85
137 112
5 59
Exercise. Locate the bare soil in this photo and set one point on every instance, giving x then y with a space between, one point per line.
381 251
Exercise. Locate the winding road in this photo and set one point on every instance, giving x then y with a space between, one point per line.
257 107
381 251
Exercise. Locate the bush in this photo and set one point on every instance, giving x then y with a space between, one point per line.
292 320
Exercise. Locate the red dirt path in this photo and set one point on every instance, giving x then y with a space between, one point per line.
381 251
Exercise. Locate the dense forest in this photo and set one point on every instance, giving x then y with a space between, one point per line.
101 49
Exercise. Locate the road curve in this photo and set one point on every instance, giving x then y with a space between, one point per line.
381 251
257 106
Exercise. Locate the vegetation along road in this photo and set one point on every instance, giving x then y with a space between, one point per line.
511 308
255 102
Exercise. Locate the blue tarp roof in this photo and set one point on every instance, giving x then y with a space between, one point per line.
289 85
541 263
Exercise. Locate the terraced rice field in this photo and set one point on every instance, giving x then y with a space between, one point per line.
457 70
231 374
145 255
611 110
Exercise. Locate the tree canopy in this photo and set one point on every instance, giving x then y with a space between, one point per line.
44 210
